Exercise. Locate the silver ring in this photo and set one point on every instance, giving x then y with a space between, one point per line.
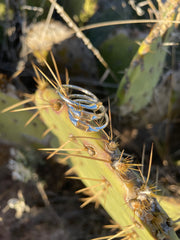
85 110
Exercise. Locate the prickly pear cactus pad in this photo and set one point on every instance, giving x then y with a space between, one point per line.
136 87
110 178
12 124
78 119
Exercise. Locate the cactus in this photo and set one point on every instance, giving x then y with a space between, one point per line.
12 124
137 86
118 58
110 176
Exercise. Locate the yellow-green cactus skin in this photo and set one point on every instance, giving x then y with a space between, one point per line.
110 176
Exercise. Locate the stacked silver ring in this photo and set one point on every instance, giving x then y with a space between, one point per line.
85 110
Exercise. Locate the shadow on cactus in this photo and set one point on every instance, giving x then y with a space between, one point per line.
112 179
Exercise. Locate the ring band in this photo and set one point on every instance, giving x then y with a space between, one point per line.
85 110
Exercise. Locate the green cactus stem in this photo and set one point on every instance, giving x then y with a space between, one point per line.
122 192
136 87
111 177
